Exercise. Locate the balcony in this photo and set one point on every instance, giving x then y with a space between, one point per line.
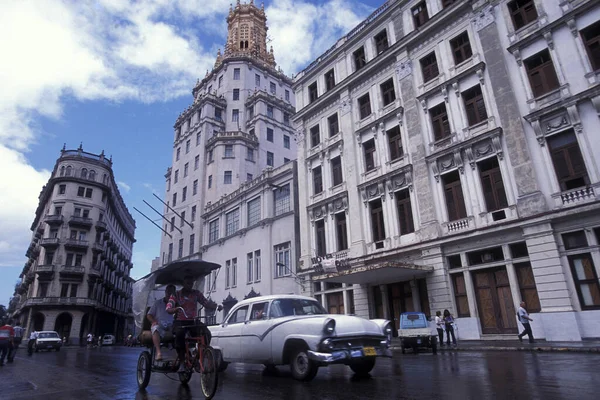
575 196
78 301
45 272
53 219
76 244
30 277
97 247
49 242
101 226
81 222
72 271
458 225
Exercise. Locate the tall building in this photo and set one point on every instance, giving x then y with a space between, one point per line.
76 279
230 189
448 150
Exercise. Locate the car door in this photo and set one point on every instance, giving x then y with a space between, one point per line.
230 337
256 337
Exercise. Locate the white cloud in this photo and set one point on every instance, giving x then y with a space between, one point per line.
123 186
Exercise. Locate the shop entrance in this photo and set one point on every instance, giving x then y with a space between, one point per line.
494 301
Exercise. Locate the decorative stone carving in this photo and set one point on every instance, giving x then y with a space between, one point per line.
455 88
549 40
399 116
517 55
498 146
573 27
345 106
480 76
445 93
446 163
424 105
403 69
484 17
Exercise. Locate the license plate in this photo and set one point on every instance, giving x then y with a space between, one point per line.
369 351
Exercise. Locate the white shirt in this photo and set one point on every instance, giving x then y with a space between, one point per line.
33 335
522 315
439 321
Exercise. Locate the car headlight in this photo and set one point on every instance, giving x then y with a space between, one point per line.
329 327
387 331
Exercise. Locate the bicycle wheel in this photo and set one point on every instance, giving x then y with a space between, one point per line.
144 366
209 373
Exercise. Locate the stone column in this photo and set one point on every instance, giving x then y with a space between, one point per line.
385 300
416 295
438 286
361 300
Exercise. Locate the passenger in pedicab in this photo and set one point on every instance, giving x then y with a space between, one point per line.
187 298
162 321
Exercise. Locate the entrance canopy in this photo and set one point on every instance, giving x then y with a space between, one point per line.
376 273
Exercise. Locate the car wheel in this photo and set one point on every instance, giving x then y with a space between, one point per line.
434 346
363 367
221 365
302 367
143 370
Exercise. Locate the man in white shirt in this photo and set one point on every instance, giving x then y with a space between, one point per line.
17 341
161 320
524 320
32 338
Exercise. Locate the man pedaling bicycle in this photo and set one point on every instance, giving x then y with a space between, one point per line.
187 298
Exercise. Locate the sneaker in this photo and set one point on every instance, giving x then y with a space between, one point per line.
520 339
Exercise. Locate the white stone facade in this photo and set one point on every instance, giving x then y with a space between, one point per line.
469 174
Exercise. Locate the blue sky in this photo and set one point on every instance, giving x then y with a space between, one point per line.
114 75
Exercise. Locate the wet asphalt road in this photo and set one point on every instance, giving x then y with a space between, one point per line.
109 373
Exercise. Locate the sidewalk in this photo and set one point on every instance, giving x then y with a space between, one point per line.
586 346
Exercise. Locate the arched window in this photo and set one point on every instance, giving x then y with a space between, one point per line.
62 171
69 169
84 173
92 176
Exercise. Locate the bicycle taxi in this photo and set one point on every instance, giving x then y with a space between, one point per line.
199 356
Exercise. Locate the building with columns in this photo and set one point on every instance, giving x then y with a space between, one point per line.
76 279
447 150
230 194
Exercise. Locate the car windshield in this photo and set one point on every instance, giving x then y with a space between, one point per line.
48 335
288 307
107 337
413 321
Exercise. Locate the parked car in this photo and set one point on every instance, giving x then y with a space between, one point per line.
415 332
48 340
108 340
296 330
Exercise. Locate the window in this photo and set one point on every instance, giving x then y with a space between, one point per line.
193 216
213 231
461 48
591 40
377 222
178 154
360 60
455 202
218 114
454 261
80 191
492 184
249 177
329 80
320 238
270 160
180 249
270 112
429 67
286 141
405 216
419 13
439 121
364 106
460 295
84 173
172 223
210 156
88 193
209 181
315 136
170 256
249 267
257 266
236 94
574 240
192 239
541 73
518 250
57 210
334 126
249 154
236 74
381 42
62 189
317 180
176 179
272 88
228 151
220 80
388 93
195 188
567 160
232 222
270 135
250 112
174 199
234 272
369 150
253 211
235 115
186 169
227 177
341 231
69 169
286 119
313 93
42 289
474 105
238 316
522 12
586 281
187 146
395 143
527 287
257 80
286 160
287 95
198 139
64 290
282 260
336 170
184 194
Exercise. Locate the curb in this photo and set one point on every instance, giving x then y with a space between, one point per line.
517 348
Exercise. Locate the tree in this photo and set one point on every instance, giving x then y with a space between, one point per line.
3 313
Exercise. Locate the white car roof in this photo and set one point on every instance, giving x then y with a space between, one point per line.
47 332
274 297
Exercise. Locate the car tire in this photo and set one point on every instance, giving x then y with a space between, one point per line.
363 367
221 364
302 367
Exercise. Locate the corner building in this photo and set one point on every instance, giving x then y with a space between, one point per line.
450 161
76 279
230 191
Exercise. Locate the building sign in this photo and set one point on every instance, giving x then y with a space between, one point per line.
330 264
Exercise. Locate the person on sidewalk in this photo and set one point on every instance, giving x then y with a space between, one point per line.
161 320
7 335
449 325
32 338
439 325
524 320
17 341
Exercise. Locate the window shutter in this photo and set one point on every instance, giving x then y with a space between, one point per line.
561 164
550 75
481 112
450 204
499 189
577 164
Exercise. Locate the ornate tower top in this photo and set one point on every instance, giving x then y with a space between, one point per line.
247 34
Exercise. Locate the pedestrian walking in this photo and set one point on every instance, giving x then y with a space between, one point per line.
524 319
90 338
19 331
449 325
7 335
32 338
439 324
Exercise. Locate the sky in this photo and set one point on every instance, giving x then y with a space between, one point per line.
114 75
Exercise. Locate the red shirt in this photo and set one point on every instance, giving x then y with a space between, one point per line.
188 303
6 333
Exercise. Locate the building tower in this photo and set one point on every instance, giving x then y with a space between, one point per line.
76 279
236 133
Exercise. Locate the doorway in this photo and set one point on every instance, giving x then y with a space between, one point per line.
38 322
494 301
335 303
63 325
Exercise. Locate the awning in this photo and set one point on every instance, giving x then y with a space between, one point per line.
376 273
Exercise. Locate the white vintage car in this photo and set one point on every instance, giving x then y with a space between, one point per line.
296 330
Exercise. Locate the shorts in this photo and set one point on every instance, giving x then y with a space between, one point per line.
162 329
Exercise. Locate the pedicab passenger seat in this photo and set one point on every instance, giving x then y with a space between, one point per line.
146 338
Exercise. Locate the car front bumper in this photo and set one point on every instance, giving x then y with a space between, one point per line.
48 345
346 356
